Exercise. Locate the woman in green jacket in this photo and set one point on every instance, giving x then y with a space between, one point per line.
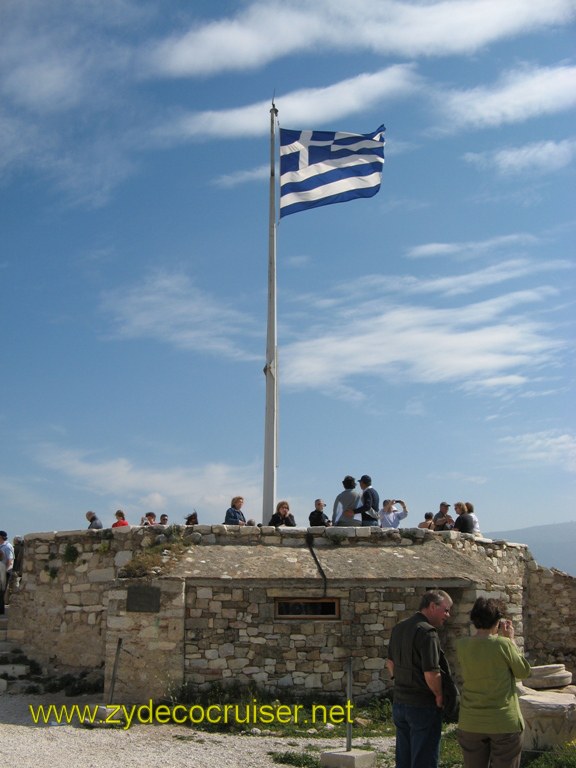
490 724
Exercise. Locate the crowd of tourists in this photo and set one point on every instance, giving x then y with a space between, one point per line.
361 506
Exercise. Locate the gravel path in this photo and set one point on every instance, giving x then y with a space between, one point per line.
142 746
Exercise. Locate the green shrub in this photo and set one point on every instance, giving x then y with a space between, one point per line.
71 553
560 757
302 759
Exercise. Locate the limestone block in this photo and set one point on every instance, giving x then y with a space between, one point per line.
122 557
545 670
556 680
341 533
102 574
355 758
549 718
375 663
119 622
14 670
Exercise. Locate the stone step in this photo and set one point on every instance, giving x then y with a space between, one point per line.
556 680
14 670
546 669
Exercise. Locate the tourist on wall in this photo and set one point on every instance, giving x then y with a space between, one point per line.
94 521
7 559
443 521
490 724
414 663
191 519
164 519
148 519
317 516
234 515
2 584
390 516
464 522
282 516
346 503
120 519
470 507
428 521
370 505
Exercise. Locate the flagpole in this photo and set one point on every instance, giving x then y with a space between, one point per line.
271 367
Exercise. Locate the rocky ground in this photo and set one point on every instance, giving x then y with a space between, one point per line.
28 745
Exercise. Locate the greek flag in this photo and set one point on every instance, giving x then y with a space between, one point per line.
323 167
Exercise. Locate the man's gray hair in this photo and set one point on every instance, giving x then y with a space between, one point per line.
434 596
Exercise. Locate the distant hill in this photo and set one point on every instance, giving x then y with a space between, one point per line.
553 546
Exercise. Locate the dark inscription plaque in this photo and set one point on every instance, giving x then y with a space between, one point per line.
143 599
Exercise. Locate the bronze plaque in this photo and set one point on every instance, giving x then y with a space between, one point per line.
143 599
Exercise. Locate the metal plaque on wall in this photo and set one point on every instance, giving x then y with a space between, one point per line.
143 599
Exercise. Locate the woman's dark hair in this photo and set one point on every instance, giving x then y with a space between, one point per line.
349 482
485 613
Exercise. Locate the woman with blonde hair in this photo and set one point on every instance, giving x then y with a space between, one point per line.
234 515
464 522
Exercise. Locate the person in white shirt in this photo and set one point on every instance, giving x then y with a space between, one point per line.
470 509
390 516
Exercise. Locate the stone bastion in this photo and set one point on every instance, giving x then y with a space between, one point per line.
282 608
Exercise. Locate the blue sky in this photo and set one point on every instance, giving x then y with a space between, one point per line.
426 335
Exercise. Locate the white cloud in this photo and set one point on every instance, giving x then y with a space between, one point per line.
539 157
230 180
169 308
458 285
472 248
519 95
266 31
207 488
315 106
551 447
488 346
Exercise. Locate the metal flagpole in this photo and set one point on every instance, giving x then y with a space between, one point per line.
271 367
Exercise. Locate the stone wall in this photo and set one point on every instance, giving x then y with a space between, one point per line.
211 616
550 617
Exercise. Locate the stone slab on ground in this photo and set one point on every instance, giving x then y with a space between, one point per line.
549 718
342 758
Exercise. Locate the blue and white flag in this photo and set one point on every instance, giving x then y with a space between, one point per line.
323 167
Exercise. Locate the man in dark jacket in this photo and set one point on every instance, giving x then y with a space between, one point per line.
317 517
370 507
414 665
93 521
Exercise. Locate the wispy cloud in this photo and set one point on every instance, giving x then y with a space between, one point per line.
65 59
490 345
169 308
518 95
486 346
208 488
230 180
472 248
540 157
307 106
551 447
266 31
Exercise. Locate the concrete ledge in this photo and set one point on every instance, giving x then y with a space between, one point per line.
355 758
